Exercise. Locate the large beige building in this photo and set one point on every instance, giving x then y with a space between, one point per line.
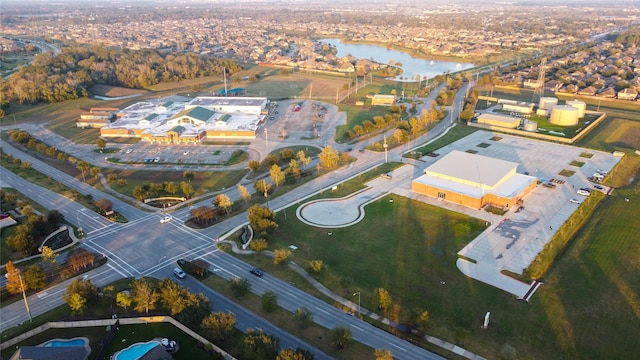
474 180
187 122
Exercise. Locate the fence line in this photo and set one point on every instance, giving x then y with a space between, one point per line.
110 322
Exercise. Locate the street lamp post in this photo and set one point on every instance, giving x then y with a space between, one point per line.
354 294
385 146
266 193
266 138
78 219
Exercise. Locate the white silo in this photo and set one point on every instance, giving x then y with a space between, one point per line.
530 126
547 103
564 115
580 105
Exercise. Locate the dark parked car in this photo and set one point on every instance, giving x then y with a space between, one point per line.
598 187
256 271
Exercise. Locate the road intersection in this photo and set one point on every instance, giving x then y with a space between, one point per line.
145 247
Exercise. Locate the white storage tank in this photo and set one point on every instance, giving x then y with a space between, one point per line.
548 103
529 125
564 115
580 105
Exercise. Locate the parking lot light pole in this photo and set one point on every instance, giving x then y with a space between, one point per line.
354 294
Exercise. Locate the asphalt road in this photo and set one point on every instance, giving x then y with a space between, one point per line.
145 247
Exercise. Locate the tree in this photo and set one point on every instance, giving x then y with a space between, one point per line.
244 193
85 288
171 187
303 159
383 354
189 175
303 317
123 299
187 189
258 345
144 295
467 114
48 255
271 159
297 354
219 325
269 301
276 174
419 318
83 166
262 219
101 143
76 302
259 245
172 296
340 336
383 299
281 255
94 171
240 286
200 267
286 154
14 283
328 157
104 204
316 266
35 277
254 165
80 258
262 187
224 203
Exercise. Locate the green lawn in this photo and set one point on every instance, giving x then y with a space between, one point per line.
588 307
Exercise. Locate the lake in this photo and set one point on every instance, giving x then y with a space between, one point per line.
411 66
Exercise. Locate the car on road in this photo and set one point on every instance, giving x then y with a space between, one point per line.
348 149
256 271
598 187
520 208
583 192
129 151
575 201
179 273
186 152
165 219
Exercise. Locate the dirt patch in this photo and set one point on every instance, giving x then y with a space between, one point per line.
114 91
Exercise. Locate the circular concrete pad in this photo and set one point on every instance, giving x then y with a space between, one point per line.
330 213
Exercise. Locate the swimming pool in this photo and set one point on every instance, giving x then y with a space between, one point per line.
135 351
65 343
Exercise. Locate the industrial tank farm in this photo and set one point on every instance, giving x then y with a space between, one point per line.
580 105
564 115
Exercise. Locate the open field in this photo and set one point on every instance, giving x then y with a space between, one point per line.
587 308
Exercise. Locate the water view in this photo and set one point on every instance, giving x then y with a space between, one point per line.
411 66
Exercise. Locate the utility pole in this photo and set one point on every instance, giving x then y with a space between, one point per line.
24 295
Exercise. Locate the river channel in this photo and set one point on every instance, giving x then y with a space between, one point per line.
411 66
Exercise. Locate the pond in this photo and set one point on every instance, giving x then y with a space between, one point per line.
411 66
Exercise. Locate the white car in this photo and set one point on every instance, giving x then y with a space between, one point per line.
128 151
165 219
574 201
179 273
186 152
583 192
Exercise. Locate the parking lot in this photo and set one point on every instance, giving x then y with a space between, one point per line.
513 240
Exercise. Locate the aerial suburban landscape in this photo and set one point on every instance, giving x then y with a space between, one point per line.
208 179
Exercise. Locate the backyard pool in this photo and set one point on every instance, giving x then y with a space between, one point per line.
66 343
135 351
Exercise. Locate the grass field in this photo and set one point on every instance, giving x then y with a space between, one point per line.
588 307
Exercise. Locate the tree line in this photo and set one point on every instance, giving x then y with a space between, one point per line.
70 74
